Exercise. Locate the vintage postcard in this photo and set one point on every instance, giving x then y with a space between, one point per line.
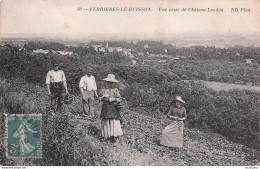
129 83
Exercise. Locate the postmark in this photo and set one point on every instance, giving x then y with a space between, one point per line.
23 133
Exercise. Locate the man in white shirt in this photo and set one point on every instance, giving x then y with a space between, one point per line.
55 79
88 89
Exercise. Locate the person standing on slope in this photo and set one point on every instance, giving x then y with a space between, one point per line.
55 79
172 135
110 111
88 89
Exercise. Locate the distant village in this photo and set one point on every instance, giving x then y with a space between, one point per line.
131 53
100 48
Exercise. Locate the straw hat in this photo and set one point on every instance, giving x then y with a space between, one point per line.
111 78
178 98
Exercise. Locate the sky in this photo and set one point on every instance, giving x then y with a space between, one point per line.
63 17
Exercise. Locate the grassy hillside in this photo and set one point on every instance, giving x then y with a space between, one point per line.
234 114
70 140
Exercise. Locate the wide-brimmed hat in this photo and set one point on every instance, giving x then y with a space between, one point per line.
111 78
178 98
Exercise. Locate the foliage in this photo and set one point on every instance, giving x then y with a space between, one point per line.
237 53
45 46
232 113
216 70
70 140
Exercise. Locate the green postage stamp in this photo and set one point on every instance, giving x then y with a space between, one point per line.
23 133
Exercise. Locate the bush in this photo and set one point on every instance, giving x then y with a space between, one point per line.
234 114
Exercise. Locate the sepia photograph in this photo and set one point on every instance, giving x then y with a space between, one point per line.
130 83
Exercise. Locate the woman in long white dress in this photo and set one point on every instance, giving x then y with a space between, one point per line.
172 135
110 112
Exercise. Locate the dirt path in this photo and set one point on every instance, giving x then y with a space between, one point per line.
199 148
142 133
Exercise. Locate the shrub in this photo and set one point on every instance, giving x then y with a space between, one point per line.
234 114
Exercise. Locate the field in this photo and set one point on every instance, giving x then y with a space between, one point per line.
69 139
223 118
224 86
218 86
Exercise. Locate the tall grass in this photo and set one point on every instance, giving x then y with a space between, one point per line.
234 114
70 140
65 141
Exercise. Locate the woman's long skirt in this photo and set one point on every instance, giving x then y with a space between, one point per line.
172 135
111 127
